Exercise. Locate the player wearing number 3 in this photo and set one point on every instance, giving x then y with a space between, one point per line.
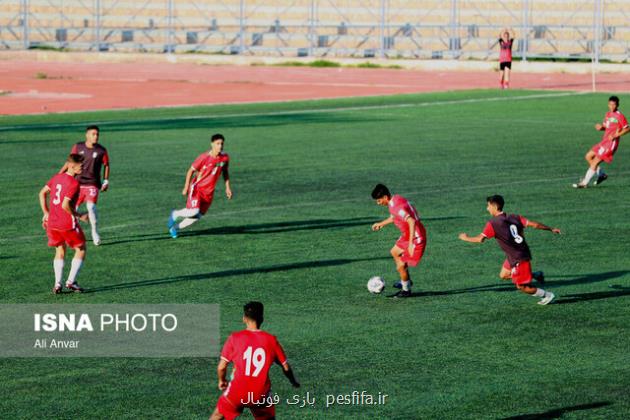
61 221
252 352
508 231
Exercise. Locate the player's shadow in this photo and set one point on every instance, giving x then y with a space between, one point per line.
238 121
497 287
231 273
586 278
558 412
619 291
255 229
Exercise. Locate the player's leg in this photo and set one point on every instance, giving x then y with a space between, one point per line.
75 267
58 263
93 217
506 76
502 73
522 278
226 410
203 204
216 415
403 271
593 162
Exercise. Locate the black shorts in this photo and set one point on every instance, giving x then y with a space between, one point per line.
504 64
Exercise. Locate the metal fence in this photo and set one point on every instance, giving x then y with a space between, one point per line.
455 29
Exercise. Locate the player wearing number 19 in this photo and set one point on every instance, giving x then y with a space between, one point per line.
252 351
508 231
60 221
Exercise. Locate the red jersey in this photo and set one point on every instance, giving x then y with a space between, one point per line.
401 209
209 170
505 54
612 122
62 186
252 353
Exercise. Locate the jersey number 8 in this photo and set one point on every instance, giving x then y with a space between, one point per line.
514 231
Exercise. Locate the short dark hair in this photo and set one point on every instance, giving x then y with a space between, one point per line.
254 311
380 191
615 99
216 137
75 158
92 127
497 200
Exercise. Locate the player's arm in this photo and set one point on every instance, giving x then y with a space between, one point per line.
381 225
226 178
537 225
474 239
189 176
412 230
43 203
222 373
288 372
622 132
69 208
105 177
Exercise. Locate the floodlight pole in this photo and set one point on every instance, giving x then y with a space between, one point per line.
169 23
525 34
97 24
241 24
25 23
311 27
382 26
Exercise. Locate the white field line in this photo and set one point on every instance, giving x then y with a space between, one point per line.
303 111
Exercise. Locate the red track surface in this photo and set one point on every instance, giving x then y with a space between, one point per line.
82 87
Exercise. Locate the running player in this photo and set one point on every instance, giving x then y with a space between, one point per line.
614 126
96 159
61 223
252 351
409 248
508 231
505 56
207 169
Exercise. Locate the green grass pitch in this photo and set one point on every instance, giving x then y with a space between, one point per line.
297 237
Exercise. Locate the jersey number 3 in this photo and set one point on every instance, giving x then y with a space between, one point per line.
57 198
514 231
254 357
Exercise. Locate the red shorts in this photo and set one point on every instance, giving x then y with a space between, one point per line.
74 238
418 250
231 411
521 272
605 150
199 200
87 193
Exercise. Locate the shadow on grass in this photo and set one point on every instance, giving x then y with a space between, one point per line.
498 287
584 297
587 278
230 273
558 412
254 229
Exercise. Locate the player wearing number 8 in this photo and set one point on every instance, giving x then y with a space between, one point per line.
508 230
252 352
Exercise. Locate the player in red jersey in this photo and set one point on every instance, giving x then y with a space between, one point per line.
61 221
614 126
508 231
410 247
252 352
207 170
506 40
96 160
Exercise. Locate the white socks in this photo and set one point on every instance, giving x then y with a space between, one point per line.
589 175
93 216
74 270
187 222
539 293
405 285
58 267
186 213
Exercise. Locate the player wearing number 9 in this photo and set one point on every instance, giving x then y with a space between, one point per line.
252 352
508 230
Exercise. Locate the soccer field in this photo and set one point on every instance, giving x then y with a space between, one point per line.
297 237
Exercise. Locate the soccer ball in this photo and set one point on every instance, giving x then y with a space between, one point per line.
376 284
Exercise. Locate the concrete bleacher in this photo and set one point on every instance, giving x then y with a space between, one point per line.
413 28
